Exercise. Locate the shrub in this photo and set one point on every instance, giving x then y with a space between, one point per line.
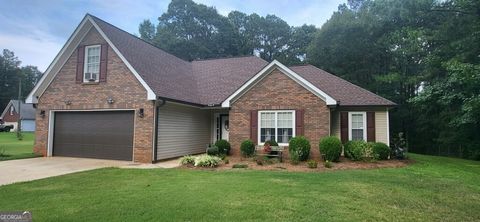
247 148
226 160
187 160
271 143
355 150
328 164
380 151
347 148
312 164
301 146
213 150
207 161
294 158
330 148
223 146
240 165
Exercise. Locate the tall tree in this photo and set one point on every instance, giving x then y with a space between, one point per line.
192 31
147 30
10 75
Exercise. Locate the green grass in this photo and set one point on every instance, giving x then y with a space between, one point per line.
432 189
12 148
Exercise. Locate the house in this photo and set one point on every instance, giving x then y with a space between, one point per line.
109 94
11 115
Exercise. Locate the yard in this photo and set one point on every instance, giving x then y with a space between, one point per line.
12 148
432 189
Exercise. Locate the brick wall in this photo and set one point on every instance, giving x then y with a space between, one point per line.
278 91
121 85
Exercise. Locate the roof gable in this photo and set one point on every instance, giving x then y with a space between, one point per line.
26 110
266 71
70 47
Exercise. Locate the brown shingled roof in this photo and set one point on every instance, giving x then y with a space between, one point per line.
346 93
207 82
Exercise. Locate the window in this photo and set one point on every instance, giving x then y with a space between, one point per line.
357 126
276 125
92 63
11 110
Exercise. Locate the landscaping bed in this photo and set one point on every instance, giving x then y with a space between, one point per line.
286 165
357 155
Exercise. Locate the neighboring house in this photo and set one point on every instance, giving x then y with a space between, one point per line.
10 116
109 94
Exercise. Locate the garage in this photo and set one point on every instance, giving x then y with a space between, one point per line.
94 134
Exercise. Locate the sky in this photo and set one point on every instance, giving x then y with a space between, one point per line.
36 30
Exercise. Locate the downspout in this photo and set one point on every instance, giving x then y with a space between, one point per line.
158 103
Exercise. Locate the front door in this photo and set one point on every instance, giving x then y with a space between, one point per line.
224 127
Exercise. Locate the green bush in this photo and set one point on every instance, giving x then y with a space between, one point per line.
347 148
328 164
240 165
247 148
355 150
380 151
361 150
271 142
312 164
223 146
330 148
300 146
187 160
207 161
226 160
213 150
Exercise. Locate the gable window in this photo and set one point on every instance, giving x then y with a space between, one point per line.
11 110
357 125
276 125
92 63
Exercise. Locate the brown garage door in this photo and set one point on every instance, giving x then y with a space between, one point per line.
102 135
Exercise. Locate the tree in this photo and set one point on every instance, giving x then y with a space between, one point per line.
147 30
11 73
192 31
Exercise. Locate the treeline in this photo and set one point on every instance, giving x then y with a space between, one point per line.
11 73
194 31
422 54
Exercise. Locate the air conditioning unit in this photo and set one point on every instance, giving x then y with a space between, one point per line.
91 77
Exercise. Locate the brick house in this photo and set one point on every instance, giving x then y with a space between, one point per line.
19 110
109 94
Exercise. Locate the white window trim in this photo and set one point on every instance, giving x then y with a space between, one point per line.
11 110
364 125
276 122
86 59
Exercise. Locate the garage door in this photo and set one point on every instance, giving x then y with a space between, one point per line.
102 135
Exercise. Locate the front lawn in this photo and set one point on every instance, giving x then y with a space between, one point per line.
12 148
432 189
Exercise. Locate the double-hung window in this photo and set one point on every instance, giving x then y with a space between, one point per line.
276 125
92 63
357 124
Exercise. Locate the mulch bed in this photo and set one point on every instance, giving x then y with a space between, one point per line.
344 164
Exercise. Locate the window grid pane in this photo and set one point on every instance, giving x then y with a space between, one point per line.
276 126
93 60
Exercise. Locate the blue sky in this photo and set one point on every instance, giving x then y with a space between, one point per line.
36 29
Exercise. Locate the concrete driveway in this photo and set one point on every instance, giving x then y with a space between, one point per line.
12 171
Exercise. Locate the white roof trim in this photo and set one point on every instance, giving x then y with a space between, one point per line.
67 51
265 71
10 103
